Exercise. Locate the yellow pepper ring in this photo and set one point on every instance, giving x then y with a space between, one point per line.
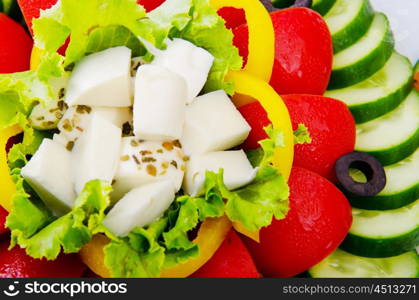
277 111
7 186
210 237
278 114
261 47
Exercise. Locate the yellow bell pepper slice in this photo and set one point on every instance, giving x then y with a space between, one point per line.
211 234
278 114
7 186
261 36
35 57
277 111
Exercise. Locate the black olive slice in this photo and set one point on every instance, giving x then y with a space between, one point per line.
298 3
375 180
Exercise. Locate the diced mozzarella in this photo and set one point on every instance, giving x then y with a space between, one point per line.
60 139
102 79
96 152
140 207
142 162
189 61
159 106
76 118
49 174
46 116
212 124
238 171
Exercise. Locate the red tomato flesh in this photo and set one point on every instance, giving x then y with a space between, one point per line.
232 260
15 46
16 264
332 129
234 17
318 221
329 121
3 216
31 9
303 51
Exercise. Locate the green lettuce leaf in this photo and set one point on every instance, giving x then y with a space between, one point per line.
165 242
19 92
78 19
302 135
42 235
99 24
263 156
208 31
139 254
256 204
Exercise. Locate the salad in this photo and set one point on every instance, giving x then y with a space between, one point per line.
149 139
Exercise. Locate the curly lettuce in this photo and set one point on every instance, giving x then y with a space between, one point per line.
99 24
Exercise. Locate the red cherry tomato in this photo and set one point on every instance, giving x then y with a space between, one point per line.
232 260
257 118
15 46
329 121
332 129
16 264
303 51
318 221
3 216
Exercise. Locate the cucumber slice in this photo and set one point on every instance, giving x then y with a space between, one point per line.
383 233
323 6
379 94
341 264
348 21
365 57
402 187
393 136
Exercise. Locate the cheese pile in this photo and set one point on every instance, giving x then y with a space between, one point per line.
150 135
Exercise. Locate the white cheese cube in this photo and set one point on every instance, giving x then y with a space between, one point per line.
159 106
102 79
213 124
96 152
60 139
49 174
142 162
76 118
189 61
45 116
140 207
238 171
